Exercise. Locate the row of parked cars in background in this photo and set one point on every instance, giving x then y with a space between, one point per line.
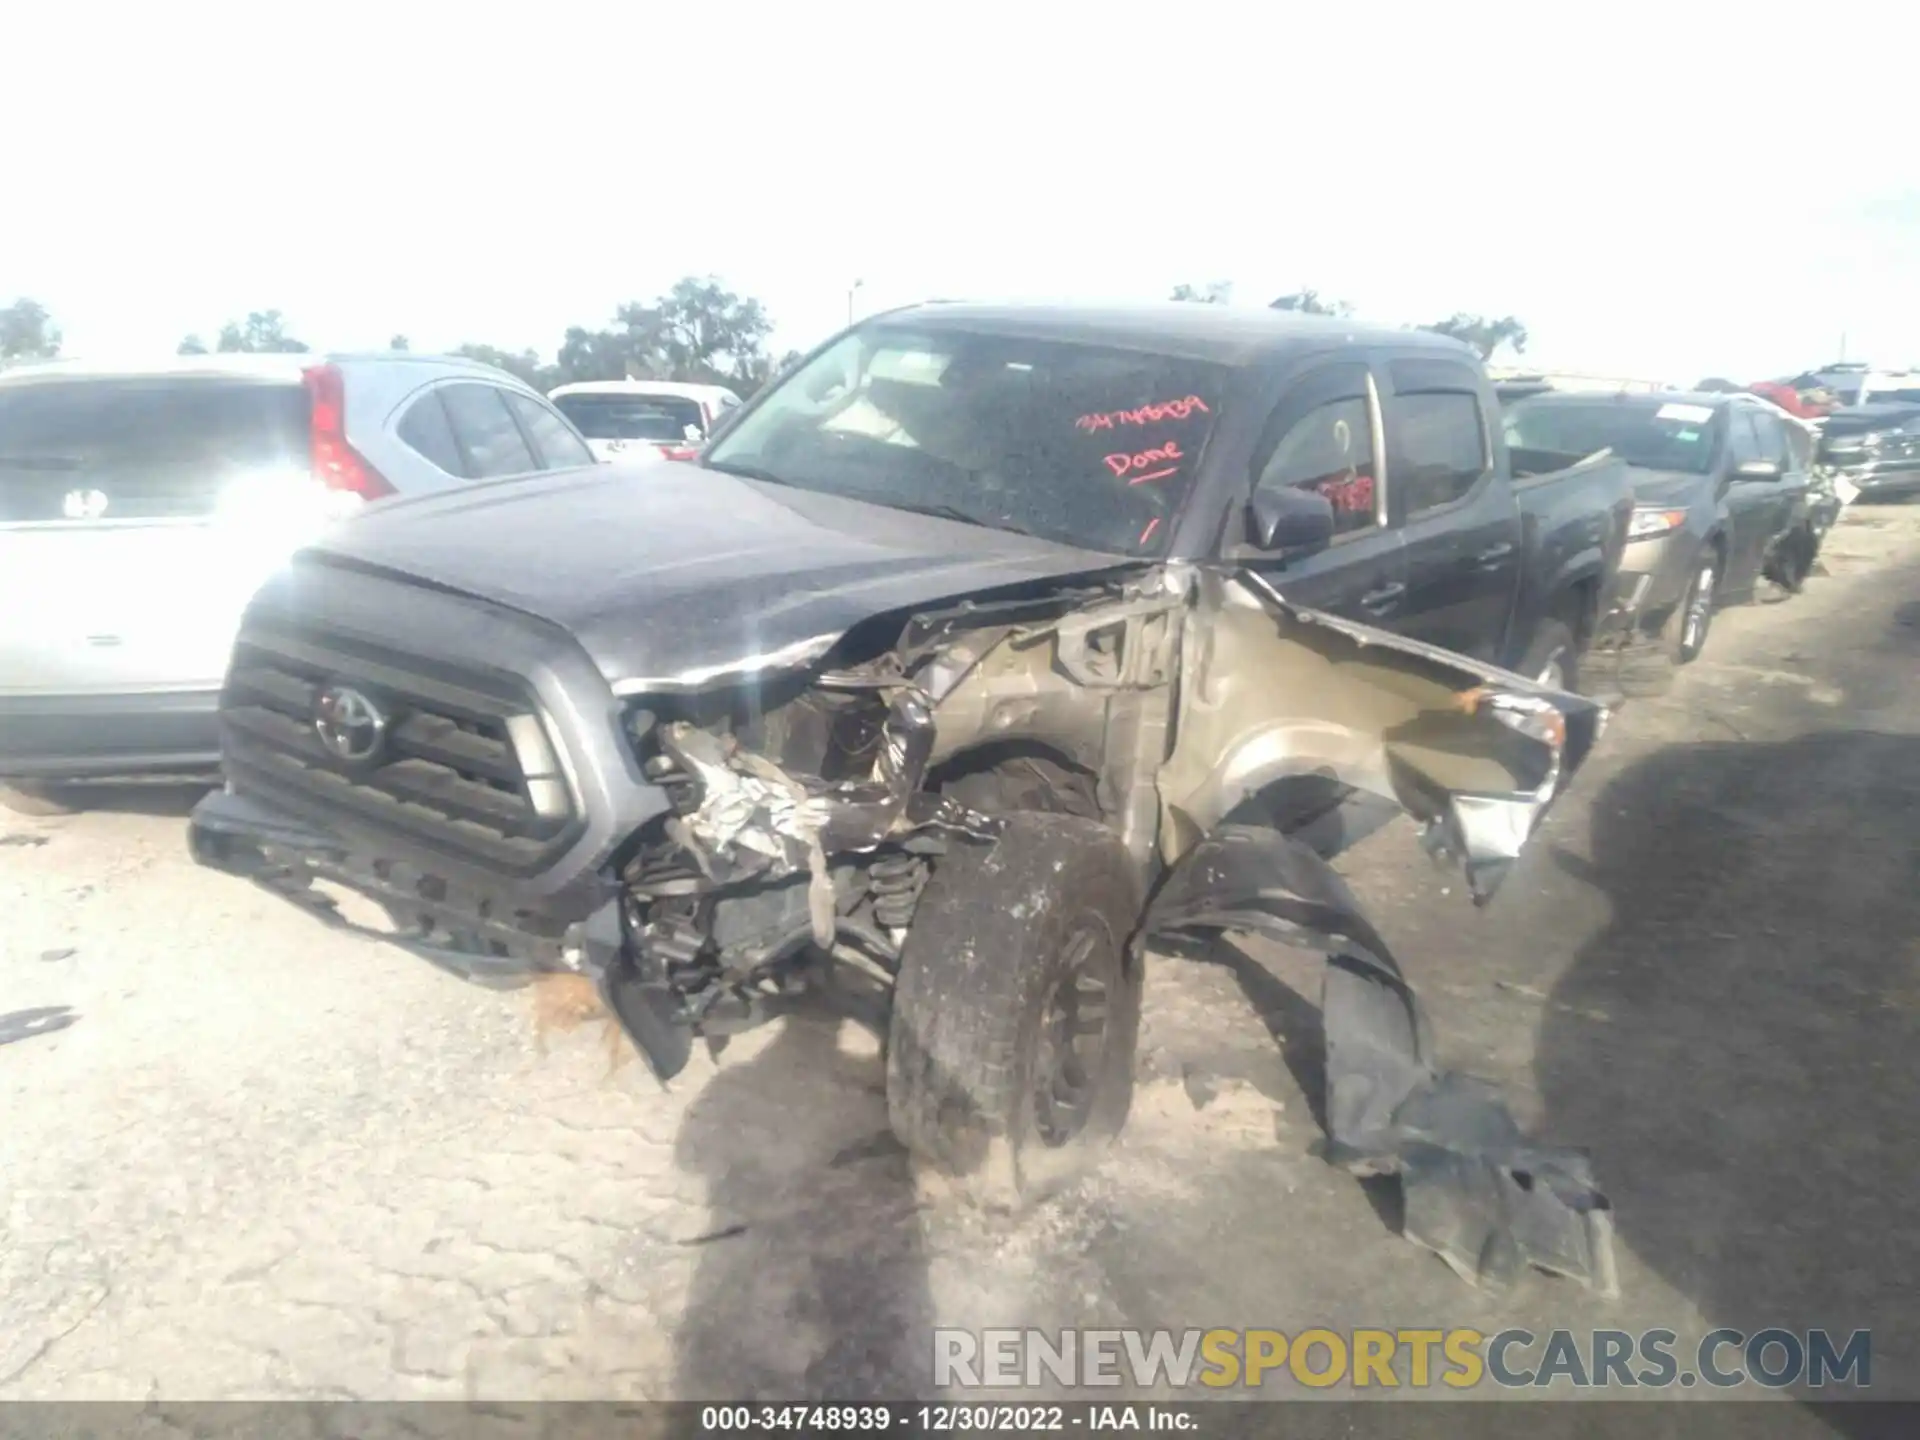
139 507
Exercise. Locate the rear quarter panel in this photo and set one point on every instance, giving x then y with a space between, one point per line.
378 396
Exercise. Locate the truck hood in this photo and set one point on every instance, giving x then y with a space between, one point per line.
675 576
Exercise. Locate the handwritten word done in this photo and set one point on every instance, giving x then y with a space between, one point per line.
1154 464
1145 415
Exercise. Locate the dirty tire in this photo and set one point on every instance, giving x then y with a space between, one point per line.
36 800
1006 938
1554 649
1692 619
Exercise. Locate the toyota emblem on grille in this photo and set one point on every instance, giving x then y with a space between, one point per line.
350 725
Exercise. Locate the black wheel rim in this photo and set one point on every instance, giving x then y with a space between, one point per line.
1073 1040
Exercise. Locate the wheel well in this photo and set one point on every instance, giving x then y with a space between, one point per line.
1008 775
1579 608
1323 813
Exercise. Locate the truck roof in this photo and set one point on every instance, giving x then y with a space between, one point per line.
1223 334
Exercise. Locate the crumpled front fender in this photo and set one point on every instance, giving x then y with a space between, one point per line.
1478 1193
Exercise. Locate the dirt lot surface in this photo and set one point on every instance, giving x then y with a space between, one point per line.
273 1160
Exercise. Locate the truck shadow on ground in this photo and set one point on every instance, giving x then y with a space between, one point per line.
1738 1046
812 1278
166 799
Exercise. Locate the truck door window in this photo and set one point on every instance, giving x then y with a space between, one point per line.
486 431
1440 448
1328 449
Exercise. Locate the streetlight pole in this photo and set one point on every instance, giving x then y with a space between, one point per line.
850 289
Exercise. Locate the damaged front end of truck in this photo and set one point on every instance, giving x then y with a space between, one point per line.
1189 746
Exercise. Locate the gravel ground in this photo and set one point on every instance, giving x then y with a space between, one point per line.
271 1160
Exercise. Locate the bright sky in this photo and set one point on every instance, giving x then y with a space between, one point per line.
1674 191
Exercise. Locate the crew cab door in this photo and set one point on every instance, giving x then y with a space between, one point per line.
1453 507
1323 435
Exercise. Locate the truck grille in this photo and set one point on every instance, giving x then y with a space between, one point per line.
464 765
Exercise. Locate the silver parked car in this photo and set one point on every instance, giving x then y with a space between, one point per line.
140 508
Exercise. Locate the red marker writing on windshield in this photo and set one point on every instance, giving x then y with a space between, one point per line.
1154 464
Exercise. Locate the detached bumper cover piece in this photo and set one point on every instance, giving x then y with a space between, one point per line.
466 933
1478 1193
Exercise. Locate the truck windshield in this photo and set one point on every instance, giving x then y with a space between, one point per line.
1078 444
633 417
1652 434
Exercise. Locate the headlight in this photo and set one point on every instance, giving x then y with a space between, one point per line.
1648 523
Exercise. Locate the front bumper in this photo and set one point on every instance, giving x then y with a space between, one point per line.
463 931
1625 658
106 737
1656 571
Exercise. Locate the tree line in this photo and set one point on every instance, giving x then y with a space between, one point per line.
699 330
1484 333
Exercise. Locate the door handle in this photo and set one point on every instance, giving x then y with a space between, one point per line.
1489 558
1385 598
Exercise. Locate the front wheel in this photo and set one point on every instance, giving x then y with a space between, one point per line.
1694 618
1017 1009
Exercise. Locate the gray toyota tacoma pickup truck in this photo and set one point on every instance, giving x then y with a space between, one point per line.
982 653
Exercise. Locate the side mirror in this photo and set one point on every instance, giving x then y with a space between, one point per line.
1758 470
1289 519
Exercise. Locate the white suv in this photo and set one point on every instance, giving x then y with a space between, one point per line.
140 508
624 419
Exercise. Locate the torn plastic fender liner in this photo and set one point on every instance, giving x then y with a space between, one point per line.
1477 1192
